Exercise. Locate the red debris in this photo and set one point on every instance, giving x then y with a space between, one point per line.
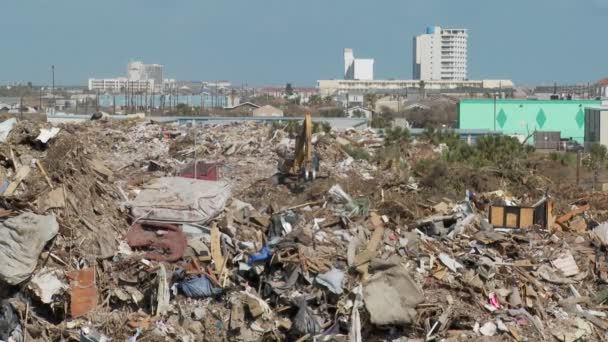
84 291
159 236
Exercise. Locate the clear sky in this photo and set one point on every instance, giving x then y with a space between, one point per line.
265 42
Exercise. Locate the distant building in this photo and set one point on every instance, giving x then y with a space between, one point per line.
118 85
440 54
600 89
596 126
138 71
217 85
302 92
247 107
267 111
333 87
356 68
140 78
348 100
522 118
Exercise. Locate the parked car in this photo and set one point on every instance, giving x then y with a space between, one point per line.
574 146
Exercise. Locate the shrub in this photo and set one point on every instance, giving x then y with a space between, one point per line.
396 135
358 153
380 122
431 171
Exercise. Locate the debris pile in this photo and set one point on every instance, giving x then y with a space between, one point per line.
142 231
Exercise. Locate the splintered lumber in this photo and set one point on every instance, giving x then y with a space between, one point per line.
23 172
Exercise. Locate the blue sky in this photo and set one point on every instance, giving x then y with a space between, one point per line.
271 42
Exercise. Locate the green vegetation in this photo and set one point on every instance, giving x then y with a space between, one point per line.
370 100
183 110
358 153
288 89
431 171
358 113
294 128
598 155
381 122
396 135
332 113
498 150
563 158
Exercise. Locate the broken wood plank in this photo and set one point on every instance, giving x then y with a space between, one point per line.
46 175
23 172
14 160
216 249
362 259
569 215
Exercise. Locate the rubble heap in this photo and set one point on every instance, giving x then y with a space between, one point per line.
162 232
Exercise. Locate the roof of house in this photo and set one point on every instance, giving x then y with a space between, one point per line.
360 108
269 107
603 81
244 104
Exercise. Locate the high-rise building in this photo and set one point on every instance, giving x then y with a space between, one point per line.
440 54
138 71
357 68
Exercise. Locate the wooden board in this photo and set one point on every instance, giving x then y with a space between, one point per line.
526 218
216 249
511 220
497 216
23 172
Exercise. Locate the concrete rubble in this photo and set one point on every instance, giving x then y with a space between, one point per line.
136 230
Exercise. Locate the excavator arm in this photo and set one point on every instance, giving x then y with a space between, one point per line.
302 163
303 152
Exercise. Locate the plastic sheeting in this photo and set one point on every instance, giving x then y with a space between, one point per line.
47 134
5 128
391 297
332 279
178 199
9 323
305 321
199 288
262 256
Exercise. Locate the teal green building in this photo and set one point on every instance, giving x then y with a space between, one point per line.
524 117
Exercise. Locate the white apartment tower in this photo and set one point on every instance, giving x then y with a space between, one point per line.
440 54
357 68
138 71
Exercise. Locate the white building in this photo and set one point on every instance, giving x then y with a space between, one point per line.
440 54
120 84
140 78
336 87
138 71
357 68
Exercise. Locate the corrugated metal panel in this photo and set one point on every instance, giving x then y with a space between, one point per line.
546 140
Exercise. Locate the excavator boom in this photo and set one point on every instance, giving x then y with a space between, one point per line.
302 162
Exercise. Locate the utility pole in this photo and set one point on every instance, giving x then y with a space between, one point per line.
53 88
195 160
494 112
578 167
